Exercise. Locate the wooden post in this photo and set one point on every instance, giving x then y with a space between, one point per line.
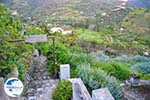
54 58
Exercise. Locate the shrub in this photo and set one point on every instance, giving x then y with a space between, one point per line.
143 67
63 91
100 56
145 77
12 52
97 78
33 31
139 59
119 70
75 59
64 55
123 58
61 54
136 58
78 58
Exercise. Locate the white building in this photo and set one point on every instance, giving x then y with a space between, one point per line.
56 29
60 30
14 13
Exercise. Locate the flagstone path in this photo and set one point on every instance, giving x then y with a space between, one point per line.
41 85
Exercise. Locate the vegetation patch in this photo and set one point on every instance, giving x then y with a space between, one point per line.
142 67
88 35
95 78
61 54
10 55
119 70
63 90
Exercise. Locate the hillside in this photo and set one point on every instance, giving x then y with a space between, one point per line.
139 3
105 43
110 18
60 9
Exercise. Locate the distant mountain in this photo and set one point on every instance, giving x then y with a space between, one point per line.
139 3
103 13
61 9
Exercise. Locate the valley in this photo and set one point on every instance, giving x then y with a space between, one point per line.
105 42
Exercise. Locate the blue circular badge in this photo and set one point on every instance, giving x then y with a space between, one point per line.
13 87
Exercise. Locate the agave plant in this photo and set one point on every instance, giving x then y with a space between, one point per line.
143 67
100 56
97 78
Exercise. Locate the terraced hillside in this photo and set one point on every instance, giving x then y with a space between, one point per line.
108 46
65 8
122 27
139 3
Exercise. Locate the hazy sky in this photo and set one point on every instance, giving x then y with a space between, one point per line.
124 0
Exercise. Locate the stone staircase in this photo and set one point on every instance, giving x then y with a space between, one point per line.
41 85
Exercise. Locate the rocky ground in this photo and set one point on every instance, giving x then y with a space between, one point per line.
41 85
138 93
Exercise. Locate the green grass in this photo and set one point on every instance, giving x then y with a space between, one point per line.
119 70
137 11
127 43
135 20
89 35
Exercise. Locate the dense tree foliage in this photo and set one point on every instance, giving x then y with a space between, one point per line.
12 53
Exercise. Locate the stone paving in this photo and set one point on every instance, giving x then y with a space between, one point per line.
41 85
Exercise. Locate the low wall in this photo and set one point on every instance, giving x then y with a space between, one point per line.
102 94
80 92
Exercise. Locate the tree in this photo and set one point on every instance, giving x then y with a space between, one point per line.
11 52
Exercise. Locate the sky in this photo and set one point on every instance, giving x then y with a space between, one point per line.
124 0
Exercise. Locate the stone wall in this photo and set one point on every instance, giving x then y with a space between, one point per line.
80 92
3 95
102 94
28 76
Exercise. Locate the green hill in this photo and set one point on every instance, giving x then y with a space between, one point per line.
119 26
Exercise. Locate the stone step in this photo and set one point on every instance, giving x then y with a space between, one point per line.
41 84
